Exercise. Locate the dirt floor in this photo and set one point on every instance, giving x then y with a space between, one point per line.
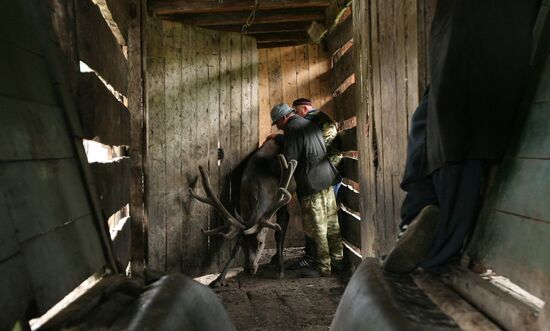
262 302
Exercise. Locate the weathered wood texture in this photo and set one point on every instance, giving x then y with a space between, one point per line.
211 6
390 56
104 118
117 15
515 221
201 94
342 69
344 104
341 34
112 182
350 226
137 138
48 219
98 47
349 197
288 73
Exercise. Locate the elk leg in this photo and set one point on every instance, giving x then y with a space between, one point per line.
282 219
220 280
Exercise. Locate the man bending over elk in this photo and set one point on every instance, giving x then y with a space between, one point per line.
314 175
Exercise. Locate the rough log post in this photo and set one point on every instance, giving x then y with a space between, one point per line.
135 106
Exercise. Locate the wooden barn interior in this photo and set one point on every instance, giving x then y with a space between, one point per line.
110 106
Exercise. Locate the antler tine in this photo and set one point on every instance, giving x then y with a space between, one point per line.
212 199
287 170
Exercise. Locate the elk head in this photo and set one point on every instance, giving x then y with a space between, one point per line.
252 232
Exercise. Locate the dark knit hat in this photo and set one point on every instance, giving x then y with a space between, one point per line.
301 102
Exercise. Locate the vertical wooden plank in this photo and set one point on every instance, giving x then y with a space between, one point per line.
401 105
189 228
325 101
265 106
314 73
225 133
275 76
288 63
255 100
173 110
213 111
302 69
200 212
156 146
246 72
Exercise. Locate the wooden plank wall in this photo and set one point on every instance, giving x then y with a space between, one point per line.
512 234
102 101
288 73
52 235
390 57
201 93
339 43
285 74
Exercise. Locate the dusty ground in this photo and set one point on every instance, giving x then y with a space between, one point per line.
262 302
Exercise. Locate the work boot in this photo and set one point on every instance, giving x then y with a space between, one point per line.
413 246
304 262
313 272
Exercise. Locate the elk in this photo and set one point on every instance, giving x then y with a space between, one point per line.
261 197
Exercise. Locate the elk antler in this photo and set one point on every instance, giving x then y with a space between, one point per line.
287 170
229 221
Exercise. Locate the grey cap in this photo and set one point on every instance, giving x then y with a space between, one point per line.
279 111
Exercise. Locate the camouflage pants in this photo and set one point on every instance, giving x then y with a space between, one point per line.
320 214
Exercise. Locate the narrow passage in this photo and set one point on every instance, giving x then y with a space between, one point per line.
262 302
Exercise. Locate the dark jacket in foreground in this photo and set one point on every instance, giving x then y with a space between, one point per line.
479 55
304 143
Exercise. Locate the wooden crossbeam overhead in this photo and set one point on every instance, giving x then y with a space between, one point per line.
282 43
264 28
281 37
160 7
274 16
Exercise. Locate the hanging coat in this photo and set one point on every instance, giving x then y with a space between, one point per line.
478 57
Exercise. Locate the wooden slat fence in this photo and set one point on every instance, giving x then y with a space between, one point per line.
390 61
342 71
201 95
51 219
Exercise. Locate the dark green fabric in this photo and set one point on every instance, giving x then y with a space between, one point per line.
304 143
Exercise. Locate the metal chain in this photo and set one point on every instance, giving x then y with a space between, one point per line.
251 17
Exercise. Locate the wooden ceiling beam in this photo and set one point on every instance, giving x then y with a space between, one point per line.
214 6
264 28
281 37
282 43
276 16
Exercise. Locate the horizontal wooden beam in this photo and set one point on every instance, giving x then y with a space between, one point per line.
263 28
103 117
349 197
98 47
275 16
281 36
350 226
344 104
283 44
215 6
112 181
342 69
340 35
348 139
350 168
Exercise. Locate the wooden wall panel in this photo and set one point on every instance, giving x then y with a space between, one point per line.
340 35
389 45
112 182
46 205
288 73
200 95
98 47
511 237
103 117
344 104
